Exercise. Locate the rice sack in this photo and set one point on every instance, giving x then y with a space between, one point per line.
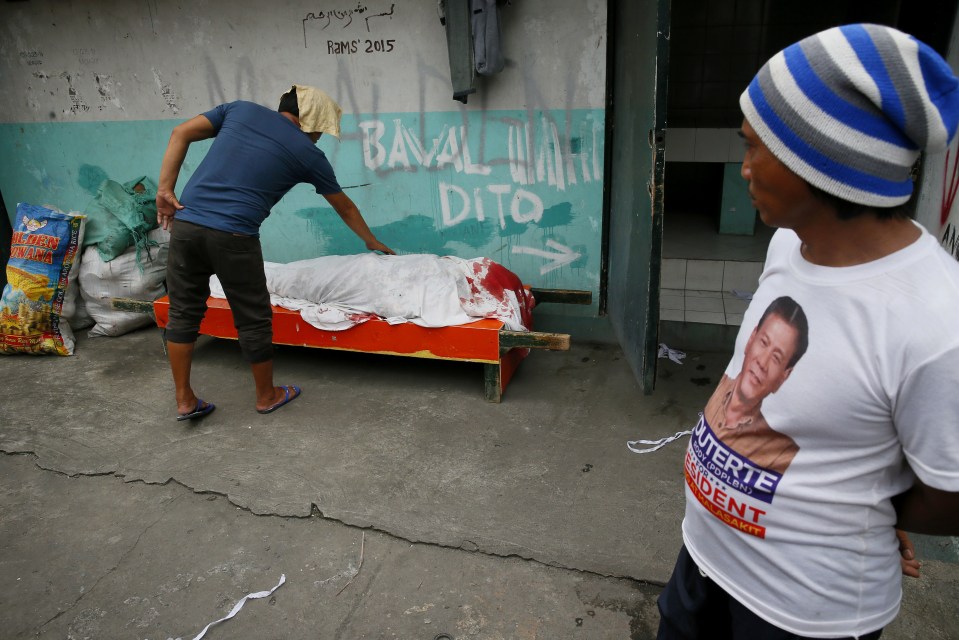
43 260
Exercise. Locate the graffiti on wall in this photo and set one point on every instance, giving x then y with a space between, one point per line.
507 190
535 156
342 18
31 57
950 227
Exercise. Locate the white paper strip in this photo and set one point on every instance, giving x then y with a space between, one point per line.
656 444
239 605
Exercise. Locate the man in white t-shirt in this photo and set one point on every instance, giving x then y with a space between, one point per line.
833 128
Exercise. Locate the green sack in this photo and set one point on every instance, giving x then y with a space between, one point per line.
120 216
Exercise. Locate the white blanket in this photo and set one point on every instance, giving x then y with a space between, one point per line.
334 293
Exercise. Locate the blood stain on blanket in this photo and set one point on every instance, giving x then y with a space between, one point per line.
496 280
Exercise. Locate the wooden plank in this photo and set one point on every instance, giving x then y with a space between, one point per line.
534 340
493 382
564 296
497 376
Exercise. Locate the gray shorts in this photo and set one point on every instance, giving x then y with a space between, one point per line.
198 252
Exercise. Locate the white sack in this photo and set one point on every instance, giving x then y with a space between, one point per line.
121 278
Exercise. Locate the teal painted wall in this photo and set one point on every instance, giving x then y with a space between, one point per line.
524 188
737 215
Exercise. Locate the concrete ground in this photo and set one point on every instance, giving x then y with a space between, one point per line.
397 502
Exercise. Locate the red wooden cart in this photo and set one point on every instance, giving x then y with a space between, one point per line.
484 341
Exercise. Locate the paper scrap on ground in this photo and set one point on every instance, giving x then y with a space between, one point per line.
656 444
743 295
239 605
673 354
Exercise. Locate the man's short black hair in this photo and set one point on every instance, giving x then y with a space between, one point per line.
846 210
793 315
289 104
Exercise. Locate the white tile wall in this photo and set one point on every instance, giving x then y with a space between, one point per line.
703 145
676 315
712 145
701 290
680 145
742 276
704 274
706 317
700 303
736 147
671 299
733 305
673 274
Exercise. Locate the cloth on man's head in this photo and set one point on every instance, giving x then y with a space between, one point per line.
850 108
319 113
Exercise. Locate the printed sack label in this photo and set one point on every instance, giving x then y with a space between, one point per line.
43 260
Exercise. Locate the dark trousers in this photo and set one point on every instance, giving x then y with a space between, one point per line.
693 607
196 253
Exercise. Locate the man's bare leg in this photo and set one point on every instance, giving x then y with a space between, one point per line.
181 360
267 395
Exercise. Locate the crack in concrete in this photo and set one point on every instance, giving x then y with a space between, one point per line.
358 601
467 546
112 569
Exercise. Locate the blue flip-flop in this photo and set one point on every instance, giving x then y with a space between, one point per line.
202 409
286 398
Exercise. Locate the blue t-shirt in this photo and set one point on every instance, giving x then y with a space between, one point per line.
256 157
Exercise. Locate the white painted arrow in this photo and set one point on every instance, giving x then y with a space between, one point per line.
563 255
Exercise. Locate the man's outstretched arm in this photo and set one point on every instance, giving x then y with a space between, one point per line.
198 128
351 215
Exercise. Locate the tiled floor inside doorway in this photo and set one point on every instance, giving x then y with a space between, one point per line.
707 277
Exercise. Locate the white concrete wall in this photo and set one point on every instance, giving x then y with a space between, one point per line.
118 60
937 175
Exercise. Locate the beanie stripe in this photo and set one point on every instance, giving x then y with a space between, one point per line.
920 97
836 59
939 92
919 114
874 64
860 117
827 134
849 109
835 47
817 168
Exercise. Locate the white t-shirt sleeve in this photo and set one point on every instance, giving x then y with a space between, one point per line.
926 415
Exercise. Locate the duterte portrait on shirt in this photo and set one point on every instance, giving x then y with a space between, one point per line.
734 412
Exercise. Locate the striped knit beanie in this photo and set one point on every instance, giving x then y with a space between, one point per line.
850 108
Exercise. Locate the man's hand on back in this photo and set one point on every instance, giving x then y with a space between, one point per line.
167 206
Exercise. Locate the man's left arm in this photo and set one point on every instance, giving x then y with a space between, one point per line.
923 509
185 133
348 211
925 411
